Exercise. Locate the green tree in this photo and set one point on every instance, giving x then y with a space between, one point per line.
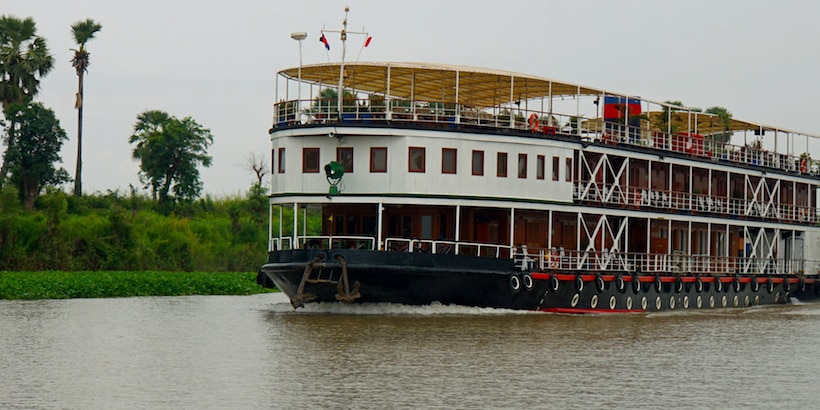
24 60
725 117
670 120
169 151
83 31
31 159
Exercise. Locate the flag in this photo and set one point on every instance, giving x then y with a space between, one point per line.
324 40
367 42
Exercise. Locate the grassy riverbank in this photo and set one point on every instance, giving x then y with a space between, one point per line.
106 284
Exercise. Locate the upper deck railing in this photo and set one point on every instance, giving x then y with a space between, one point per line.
677 201
535 122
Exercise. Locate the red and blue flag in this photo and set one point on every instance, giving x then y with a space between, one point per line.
324 41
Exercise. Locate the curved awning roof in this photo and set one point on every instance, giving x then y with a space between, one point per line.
479 87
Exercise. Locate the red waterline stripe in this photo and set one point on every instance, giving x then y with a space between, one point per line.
587 311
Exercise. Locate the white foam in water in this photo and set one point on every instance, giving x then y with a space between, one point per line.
281 304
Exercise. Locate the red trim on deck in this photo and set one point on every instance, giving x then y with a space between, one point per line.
541 276
590 277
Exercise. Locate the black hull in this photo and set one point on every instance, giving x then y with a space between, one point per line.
423 278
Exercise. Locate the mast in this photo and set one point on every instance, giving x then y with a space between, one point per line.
342 65
343 35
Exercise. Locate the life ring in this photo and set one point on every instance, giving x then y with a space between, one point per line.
594 302
803 165
599 282
737 285
718 285
755 285
770 286
527 279
579 283
658 284
612 302
534 122
786 285
515 283
636 284
678 285
553 259
698 285
554 282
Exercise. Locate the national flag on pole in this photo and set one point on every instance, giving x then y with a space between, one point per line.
324 40
367 42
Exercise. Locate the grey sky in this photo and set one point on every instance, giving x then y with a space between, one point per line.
216 60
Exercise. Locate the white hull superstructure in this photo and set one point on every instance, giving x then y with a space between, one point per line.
492 188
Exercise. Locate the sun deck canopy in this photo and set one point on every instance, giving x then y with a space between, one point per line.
471 86
484 88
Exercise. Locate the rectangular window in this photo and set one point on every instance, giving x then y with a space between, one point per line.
281 160
556 167
344 156
448 160
501 165
415 159
478 163
522 165
310 160
378 159
272 161
540 166
568 170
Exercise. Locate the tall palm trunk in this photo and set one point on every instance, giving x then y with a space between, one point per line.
78 173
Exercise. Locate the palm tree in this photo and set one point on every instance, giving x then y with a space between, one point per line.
24 60
83 31
725 117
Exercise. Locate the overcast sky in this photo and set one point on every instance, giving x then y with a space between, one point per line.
216 60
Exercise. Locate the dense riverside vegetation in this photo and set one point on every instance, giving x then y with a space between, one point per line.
116 232
102 284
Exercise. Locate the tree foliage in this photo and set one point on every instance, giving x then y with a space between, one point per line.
31 159
725 117
169 151
116 231
24 60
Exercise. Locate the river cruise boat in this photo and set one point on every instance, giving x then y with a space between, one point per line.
432 183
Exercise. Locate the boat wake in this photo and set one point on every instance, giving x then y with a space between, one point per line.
281 304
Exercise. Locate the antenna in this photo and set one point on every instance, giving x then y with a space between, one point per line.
344 34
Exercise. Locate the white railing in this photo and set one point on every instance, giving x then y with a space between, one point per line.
450 115
543 259
617 195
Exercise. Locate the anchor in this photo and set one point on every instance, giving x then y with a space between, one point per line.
300 298
345 295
